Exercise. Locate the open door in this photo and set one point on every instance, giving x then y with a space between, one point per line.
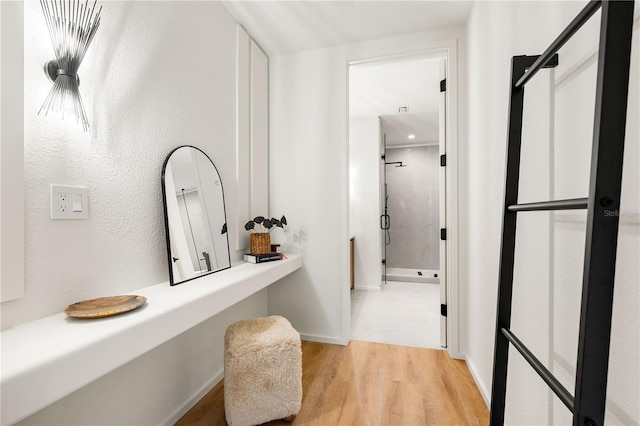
442 122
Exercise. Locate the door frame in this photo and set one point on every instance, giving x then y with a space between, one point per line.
442 198
447 49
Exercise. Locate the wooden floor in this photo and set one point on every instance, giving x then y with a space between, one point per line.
372 384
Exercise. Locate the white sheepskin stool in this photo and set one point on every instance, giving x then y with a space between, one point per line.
262 371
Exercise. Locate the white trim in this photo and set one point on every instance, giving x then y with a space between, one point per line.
12 152
414 145
259 132
486 394
368 287
194 399
345 231
324 339
429 53
453 284
243 136
442 200
449 50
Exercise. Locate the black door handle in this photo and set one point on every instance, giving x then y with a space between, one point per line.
385 221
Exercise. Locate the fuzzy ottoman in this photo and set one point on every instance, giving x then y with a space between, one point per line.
262 371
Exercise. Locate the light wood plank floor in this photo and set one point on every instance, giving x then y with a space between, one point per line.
371 384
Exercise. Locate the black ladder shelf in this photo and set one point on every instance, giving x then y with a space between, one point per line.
588 404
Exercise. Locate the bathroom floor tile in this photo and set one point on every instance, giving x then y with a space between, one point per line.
402 313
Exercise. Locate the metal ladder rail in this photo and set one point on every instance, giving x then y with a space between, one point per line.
588 405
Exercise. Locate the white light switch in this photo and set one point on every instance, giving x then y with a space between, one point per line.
69 202
77 202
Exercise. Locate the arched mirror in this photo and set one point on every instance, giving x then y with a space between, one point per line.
194 215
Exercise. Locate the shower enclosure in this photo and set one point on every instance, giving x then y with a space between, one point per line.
410 214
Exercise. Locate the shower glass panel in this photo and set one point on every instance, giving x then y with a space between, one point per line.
412 203
385 220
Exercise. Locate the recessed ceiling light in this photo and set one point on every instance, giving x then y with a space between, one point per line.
411 136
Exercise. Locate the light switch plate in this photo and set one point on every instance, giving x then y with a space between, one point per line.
69 202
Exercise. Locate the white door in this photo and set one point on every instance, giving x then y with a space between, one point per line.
443 202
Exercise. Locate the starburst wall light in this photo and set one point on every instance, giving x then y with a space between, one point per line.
72 26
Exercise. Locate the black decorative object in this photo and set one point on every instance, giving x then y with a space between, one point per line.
612 85
72 26
266 225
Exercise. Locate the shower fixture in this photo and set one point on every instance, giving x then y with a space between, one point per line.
399 163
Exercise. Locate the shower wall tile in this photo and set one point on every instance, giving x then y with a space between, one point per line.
413 206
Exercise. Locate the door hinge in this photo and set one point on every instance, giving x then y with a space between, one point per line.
443 85
443 234
443 160
443 310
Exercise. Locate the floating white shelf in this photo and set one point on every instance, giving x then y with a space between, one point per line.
47 359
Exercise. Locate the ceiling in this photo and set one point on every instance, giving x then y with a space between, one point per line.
423 125
381 90
284 27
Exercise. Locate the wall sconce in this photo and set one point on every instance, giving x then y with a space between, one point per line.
72 27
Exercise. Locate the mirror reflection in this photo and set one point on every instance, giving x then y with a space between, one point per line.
195 221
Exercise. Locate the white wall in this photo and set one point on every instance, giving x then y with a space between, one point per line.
364 199
556 148
158 75
309 179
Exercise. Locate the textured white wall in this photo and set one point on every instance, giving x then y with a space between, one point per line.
145 93
556 151
158 75
309 179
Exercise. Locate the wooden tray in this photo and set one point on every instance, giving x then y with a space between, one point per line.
105 306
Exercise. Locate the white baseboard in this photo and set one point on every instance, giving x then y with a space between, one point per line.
486 394
193 400
456 355
323 339
367 287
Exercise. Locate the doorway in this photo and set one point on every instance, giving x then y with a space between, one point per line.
397 138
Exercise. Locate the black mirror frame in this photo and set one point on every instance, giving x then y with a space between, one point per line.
166 218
